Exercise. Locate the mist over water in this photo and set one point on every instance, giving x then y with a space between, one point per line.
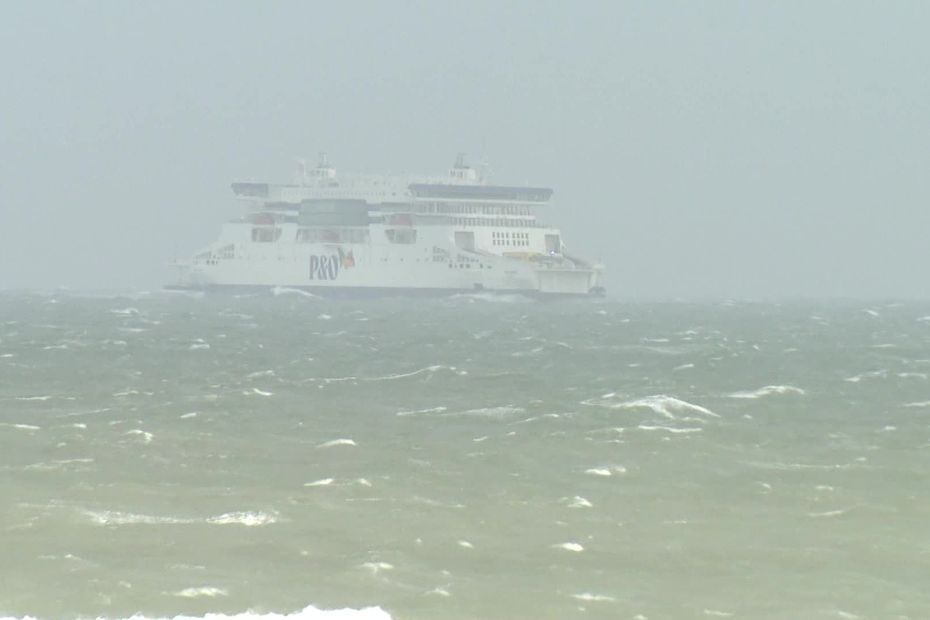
461 458
700 151
278 455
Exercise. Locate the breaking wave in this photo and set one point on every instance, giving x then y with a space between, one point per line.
337 442
283 290
666 406
500 298
114 518
768 390
307 613
208 591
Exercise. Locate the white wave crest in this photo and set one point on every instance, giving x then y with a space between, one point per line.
307 613
208 591
116 518
419 411
875 374
593 598
112 517
144 435
22 427
768 390
666 406
829 513
337 442
500 298
491 412
668 429
283 290
413 373
59 464
260 373
578 502
377 567
248 519
606 470
782 466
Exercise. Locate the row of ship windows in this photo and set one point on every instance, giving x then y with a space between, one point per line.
268 234
474 209
468 266
478 221
518 239
330 235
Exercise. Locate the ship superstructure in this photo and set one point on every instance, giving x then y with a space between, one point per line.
331 233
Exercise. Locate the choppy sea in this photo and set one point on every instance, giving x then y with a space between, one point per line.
286 456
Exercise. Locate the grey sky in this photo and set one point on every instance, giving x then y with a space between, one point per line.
716 149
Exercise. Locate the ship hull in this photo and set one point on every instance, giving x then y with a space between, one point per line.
433 265
374 292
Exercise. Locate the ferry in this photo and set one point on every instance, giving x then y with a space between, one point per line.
335 234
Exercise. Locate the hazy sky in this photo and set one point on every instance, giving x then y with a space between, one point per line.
701 150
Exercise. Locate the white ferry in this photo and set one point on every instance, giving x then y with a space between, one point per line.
364 234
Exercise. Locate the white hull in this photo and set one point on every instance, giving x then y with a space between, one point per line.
433 264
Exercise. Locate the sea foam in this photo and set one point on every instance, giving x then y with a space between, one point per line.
248 519
578 502
208 591
606 470
115 518
22 427
768 390
588 597
337 442
307 613
283 290
668 429
666 406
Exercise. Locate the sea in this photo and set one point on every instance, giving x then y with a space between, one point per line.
280 455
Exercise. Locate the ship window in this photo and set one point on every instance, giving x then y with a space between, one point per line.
465 240
265 234
401 235
553 244
331 235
